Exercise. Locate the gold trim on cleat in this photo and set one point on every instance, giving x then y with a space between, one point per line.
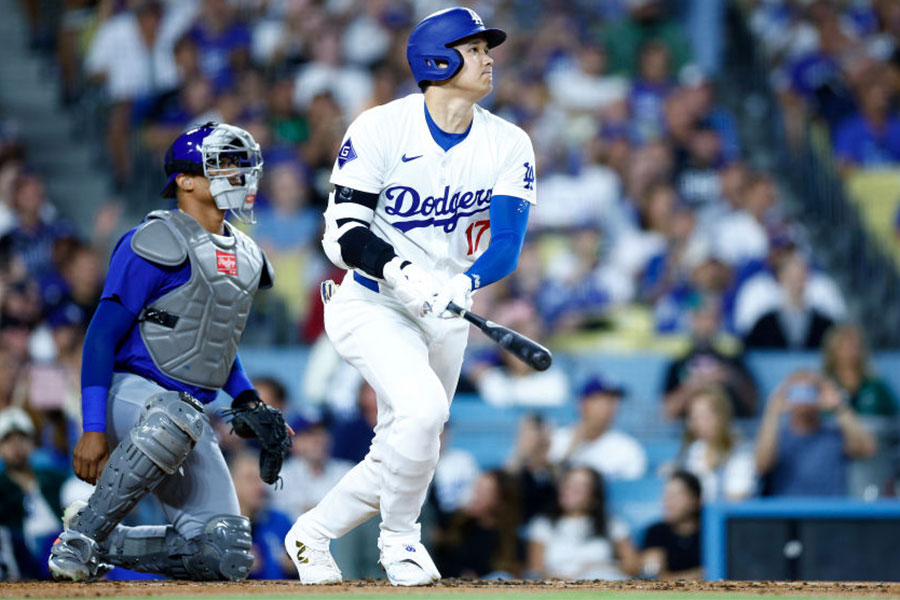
300 549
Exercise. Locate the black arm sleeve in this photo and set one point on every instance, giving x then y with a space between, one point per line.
360 247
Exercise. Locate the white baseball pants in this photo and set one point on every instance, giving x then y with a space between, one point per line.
413 365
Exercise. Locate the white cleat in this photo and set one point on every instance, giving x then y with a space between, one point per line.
314 563
408 565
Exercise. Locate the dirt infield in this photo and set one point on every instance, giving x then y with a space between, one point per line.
175 588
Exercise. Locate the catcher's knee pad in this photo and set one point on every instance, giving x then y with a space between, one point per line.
223 550
156 447
170 427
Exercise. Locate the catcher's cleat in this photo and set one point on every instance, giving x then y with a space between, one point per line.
66 555
408 565
314 563
76 557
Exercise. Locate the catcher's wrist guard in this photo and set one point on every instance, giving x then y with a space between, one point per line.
251 418
245 399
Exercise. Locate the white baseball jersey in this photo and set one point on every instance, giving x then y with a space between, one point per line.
433 205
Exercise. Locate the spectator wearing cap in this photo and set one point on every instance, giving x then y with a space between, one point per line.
310 472
590 442
807 438
711 359
30 502
268 526
697 174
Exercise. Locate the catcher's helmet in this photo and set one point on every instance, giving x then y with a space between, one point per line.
429 41
226 155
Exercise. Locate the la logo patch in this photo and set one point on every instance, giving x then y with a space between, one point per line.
226 263
476 20
529 177
346 153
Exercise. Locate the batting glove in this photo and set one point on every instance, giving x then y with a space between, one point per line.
412 286
458 291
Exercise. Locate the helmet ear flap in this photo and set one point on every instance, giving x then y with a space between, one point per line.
443 66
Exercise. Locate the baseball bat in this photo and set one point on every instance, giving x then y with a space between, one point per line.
528 351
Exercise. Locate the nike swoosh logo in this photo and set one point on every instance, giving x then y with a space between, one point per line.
406 158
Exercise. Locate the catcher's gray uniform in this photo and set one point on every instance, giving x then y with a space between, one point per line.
161 440
202 487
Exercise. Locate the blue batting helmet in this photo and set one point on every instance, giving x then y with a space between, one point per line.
429 41
185 155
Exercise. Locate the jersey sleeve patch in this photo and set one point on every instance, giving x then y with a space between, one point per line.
346 154
528 179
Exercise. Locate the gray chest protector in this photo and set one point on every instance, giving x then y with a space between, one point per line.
192 332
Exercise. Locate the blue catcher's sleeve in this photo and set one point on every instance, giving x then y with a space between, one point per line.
509 219
237 380
110 324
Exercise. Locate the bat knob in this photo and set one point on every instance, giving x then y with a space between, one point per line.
541 360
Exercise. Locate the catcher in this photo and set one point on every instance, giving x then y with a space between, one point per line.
163 341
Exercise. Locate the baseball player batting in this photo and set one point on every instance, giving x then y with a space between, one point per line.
430 203
164 339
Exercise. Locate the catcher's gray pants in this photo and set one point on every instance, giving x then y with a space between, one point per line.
198 491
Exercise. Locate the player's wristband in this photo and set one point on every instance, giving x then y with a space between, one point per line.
93 408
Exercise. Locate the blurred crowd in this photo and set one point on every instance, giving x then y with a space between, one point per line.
837 62
650 227
836 68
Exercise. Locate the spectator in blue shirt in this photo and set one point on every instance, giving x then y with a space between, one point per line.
805 454
222 42
870 138
268 526
649 91
36 231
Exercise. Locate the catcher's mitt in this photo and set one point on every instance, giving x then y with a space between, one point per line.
266 424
